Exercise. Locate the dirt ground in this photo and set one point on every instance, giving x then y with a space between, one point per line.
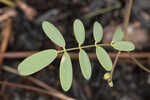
21 35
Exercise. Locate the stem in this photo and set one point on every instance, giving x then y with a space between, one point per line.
127 17
133 58
100 11
115 62
82 47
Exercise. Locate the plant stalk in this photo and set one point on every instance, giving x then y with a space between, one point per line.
82 47
127 17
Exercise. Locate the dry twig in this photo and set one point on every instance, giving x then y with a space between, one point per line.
30 88
7 15
28 10
50 90
5 37
24 54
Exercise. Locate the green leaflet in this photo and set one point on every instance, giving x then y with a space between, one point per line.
104 58
53 33
85 64
124 46
36 62
118 35
79 31
66 72
97 32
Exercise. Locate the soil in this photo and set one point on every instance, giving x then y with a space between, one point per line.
130 82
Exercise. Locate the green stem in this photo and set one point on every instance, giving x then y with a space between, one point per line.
100 11
83 47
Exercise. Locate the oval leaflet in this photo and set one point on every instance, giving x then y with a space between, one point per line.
123 46
53 33
97 32
104 58
65 73
85 64
118 35
79 31
36 62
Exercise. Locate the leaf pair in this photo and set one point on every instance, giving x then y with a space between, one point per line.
119 44
40 60
84 60
101 54
65 71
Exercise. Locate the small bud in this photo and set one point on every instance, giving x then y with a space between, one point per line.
110 83
107 76
112 43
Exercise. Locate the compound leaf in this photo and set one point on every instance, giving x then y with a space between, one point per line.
118 35
104 58
124 46
36 62
66 72
53 33
85 64
79 31
97 32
